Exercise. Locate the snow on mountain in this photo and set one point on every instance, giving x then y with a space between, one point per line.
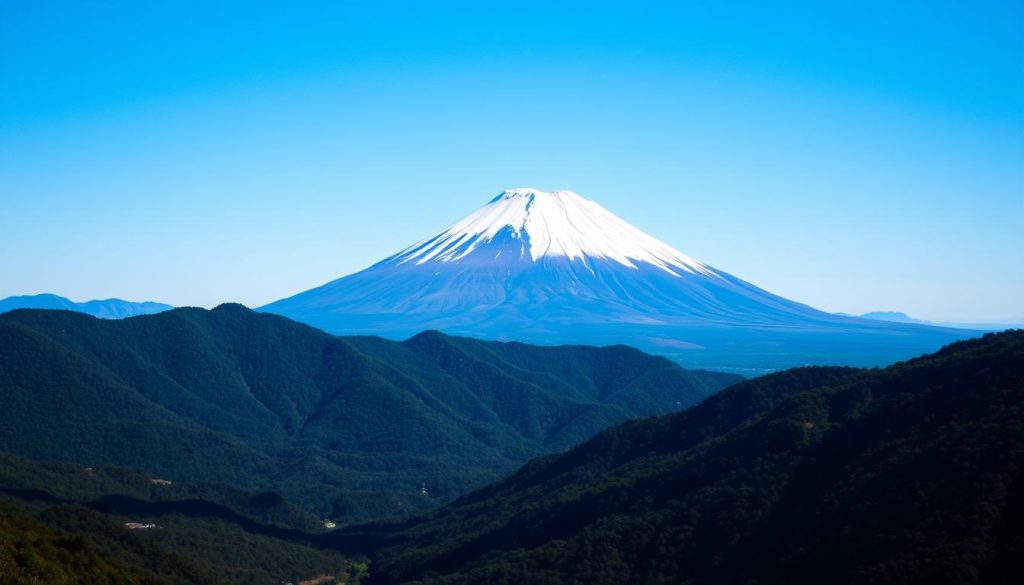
556 223
554 267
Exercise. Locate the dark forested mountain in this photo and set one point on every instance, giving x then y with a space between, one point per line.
350 428
910 474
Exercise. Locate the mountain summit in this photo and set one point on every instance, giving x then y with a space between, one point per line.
554 267
551 224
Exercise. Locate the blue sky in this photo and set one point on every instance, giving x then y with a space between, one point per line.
864 156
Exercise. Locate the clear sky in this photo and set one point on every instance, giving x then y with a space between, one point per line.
863 156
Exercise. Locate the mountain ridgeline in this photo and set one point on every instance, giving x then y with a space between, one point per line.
910 474
349 428
104 309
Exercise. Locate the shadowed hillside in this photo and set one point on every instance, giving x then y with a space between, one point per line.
350 428
910 474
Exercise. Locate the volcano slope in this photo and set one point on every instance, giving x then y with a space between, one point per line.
555 268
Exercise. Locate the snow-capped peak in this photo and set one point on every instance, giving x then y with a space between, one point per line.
519 192
552 223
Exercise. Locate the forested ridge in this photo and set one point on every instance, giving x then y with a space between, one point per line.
235 435
909 474
348 428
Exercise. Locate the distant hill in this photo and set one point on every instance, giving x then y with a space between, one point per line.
104 309
898 317
894 316
909 474
349 428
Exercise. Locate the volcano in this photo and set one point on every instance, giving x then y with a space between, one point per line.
556 268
